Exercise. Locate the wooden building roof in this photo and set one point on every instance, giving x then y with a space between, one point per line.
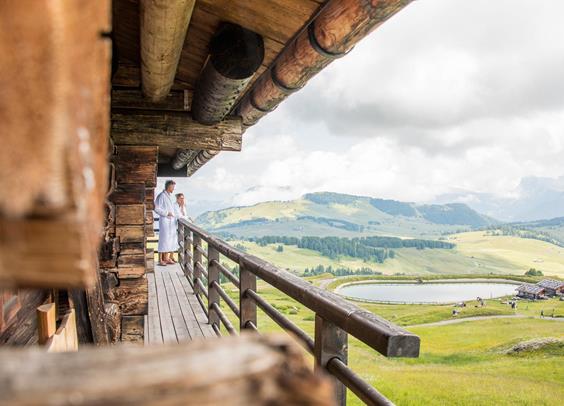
297 39
277 21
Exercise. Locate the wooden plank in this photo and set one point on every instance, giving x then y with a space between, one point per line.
131 248
167 375
131 294
178 321
65 338
163 27
37 253
167 326
132 329
145 330
128 194
130 233
176 100
132 260
155 335
201 317
22 328
130 214
131 272
174 130
46 322
186 307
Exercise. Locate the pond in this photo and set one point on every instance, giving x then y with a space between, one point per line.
426 292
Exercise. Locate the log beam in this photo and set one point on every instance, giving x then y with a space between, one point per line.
171 375
183 157
200 160
176 100
235 55
333 33
163 26
174 130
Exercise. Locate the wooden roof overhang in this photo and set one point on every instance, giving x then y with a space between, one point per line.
300 38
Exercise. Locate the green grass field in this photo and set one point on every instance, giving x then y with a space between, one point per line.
474 253
460 364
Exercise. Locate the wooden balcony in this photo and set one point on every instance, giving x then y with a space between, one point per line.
198 284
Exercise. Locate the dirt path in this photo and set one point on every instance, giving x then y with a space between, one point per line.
463 319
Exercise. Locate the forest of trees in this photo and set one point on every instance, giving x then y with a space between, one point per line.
376 249
320 269
522 232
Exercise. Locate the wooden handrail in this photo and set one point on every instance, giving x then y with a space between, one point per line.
383 336
335 317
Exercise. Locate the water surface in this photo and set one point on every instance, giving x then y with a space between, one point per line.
427 292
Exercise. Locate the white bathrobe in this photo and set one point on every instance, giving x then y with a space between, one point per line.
168 237
178 211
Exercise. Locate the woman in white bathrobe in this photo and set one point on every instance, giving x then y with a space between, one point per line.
168 238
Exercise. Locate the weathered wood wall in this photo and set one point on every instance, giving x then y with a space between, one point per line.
123 259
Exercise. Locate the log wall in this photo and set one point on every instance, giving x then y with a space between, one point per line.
124 258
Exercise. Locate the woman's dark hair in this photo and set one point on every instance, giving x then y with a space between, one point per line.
168 183
179 195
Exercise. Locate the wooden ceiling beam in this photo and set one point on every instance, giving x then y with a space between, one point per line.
330 35
200 160
174 129
176 100
235 55
163 27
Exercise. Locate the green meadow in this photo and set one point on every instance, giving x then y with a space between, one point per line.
475 253
460 364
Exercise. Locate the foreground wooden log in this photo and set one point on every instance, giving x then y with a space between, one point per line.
163 27
333 33
248 370
174 130
53 156
235 55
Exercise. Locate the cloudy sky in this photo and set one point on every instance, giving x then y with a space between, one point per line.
448 95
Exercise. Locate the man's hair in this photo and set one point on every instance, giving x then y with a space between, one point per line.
179 195
168 183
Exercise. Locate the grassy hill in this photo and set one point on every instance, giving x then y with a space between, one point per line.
475 252
333 214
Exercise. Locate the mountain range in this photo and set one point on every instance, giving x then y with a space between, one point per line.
335 214
535 198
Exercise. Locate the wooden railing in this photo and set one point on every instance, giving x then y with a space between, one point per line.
335 318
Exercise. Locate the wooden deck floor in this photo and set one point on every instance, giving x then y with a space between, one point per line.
175 314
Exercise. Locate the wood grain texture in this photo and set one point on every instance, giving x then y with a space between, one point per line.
132 296
54 143
176 100
133 214
163 26
174 130
249 370
46 322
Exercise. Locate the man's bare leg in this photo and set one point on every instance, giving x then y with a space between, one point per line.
162 259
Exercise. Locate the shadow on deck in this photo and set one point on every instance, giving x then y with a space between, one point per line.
175 315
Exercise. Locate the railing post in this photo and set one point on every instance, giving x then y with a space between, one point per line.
331 342
196 257
188 269
181 248
213 294
247 307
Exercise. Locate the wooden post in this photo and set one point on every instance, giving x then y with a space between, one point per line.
46 322
180 236
188 269
247 307
197 257
213 294
331 342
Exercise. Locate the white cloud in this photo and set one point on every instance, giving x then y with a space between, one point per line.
447 95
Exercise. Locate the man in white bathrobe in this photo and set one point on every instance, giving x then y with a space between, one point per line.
168 238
